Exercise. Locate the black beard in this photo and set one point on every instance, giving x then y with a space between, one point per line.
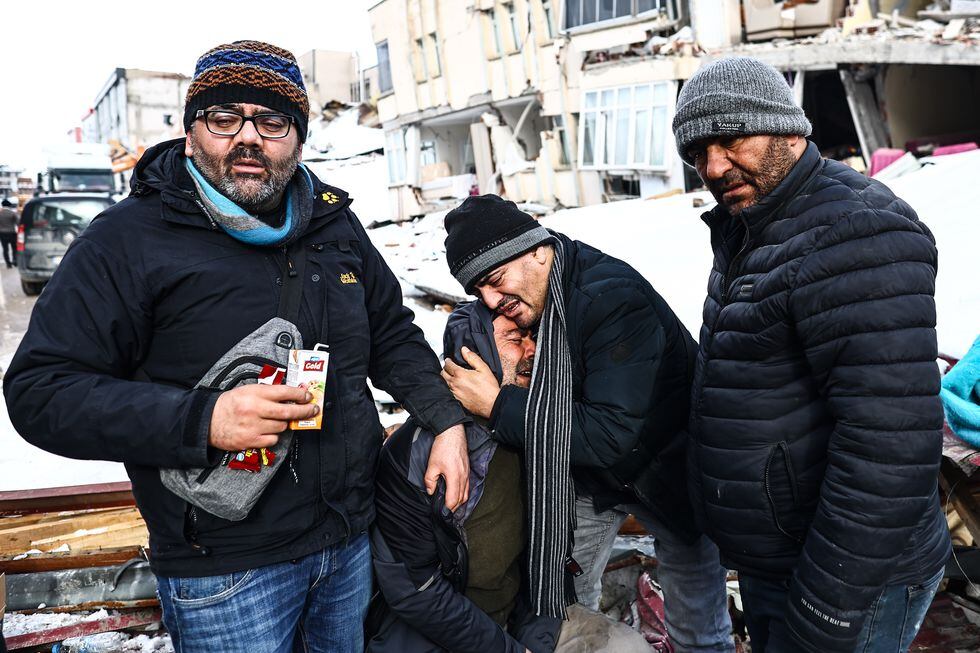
218 172
775 164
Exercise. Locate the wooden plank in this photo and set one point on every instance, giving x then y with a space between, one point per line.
100 533
99 495
97 605
48 535
73 560
118 622
956 484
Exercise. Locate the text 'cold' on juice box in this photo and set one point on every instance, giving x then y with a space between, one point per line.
309 366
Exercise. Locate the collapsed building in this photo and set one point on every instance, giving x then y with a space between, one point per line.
569 103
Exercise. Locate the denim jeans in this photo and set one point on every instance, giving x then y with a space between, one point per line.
691 575
890 626
316 603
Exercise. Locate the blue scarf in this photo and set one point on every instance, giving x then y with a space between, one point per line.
242 225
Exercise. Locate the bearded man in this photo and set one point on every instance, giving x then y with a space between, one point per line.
145 346
816 421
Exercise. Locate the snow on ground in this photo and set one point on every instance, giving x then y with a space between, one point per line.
946 195
366 181
118 642
666 241
24 466
15 623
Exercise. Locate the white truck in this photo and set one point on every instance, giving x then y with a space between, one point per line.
77 167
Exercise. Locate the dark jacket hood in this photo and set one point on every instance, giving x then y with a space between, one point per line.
471 325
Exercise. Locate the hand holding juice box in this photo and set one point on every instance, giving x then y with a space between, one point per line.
309 366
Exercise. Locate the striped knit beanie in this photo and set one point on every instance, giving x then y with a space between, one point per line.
249 72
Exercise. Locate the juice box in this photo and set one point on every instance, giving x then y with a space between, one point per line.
309 366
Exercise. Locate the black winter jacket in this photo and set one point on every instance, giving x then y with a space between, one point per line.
153 287
633 364
421 562
816 421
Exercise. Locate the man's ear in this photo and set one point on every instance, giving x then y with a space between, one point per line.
188 145
540 254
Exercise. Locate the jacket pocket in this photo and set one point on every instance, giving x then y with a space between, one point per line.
782 492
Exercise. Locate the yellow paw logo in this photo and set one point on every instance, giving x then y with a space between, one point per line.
348 277
330 198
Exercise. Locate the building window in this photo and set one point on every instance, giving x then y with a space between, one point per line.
514 30
427 153
395 154
497 41
549 18
422 67
587 12
626 127
559 129
437 62
384 68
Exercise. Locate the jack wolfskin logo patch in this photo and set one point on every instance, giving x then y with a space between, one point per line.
348 277
728 127
330 198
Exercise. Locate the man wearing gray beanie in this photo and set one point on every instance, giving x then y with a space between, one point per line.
816 423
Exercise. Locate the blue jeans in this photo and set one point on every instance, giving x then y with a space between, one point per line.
316 603
890 626
691 575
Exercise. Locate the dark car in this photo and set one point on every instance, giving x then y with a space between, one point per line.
48 225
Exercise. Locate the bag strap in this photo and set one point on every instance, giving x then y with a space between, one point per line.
291 297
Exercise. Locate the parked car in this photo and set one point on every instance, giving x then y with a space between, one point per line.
48 225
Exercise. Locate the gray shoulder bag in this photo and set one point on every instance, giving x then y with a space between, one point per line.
231 493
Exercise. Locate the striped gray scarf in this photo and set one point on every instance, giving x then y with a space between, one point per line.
548 429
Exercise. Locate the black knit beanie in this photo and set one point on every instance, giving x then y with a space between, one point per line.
249 72
485 232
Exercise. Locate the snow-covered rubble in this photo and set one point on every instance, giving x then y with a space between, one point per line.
666 241
15 623
945 193
118 642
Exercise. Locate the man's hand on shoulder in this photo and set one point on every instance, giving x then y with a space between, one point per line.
253 416
475 389
450 459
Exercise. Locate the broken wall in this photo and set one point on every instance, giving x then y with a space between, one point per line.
931 100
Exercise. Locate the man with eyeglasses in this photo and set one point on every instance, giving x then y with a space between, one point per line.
228 251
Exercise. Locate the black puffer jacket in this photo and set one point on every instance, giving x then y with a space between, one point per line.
151 285
816 421
632 366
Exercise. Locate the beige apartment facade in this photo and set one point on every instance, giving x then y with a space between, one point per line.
511 97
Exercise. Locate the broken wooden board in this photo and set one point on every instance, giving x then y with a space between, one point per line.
69 560
80 531
71 497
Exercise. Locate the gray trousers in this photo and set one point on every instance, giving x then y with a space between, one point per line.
691 575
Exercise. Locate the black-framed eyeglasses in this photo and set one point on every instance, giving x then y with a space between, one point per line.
229 123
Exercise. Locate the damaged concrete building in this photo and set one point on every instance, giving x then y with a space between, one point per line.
493 96
569 102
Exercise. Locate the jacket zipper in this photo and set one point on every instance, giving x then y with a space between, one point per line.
696 405
204 210
731 268
291 278
772 501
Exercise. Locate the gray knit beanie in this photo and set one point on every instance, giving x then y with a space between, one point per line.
736 96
